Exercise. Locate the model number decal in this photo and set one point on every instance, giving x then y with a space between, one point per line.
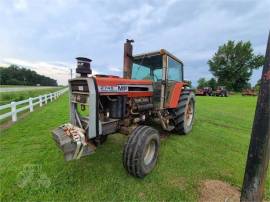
111 89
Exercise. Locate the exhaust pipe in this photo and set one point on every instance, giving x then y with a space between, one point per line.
128 49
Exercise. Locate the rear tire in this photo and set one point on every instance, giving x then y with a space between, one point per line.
184 113
141 151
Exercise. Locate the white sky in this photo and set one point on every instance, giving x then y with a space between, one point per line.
47 35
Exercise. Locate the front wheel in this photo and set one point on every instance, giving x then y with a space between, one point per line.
141 151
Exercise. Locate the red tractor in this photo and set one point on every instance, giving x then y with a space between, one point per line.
206 91
249 92
221 91
152 89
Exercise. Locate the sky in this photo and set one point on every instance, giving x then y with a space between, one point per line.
47 35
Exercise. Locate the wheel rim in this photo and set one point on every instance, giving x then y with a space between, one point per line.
149 152
189 114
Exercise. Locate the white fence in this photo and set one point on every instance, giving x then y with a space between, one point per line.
40 100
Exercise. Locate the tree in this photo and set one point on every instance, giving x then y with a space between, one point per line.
189 83
14 75
233 63
258 85
202 83
212 83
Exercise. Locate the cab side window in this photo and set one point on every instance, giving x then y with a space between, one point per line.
175 70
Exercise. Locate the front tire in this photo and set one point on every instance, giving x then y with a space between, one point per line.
141 151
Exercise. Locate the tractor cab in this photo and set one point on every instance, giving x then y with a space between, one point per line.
161 67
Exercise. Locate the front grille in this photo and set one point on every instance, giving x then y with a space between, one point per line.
79 86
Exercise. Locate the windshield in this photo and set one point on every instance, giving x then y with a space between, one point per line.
147 68
150 68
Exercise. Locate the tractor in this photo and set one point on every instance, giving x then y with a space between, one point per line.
249 92
206 91
221 91
152 90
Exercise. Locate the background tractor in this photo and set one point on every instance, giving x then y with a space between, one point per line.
221 91
249 92
152 89
206 91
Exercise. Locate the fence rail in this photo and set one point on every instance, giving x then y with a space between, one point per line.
40 100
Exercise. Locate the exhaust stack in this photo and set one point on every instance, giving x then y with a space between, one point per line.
83 66
127 59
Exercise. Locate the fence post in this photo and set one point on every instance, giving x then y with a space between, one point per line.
31 104
46 99
40 101
51 96
13 111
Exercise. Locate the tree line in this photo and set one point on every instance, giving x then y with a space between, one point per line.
15 75
232 66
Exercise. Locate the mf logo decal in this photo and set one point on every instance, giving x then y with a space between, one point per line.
122 88
112 89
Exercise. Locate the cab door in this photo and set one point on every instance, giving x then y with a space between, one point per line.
174 80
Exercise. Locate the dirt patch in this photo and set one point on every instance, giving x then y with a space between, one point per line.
141 195
179 182
215 190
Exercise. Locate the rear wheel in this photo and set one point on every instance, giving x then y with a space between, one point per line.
141 151
184 113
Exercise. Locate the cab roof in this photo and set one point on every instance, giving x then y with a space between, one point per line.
158 52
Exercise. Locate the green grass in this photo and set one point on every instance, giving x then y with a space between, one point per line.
7 97
14 86
215 149
18 86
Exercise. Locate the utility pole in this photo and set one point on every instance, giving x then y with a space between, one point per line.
259 148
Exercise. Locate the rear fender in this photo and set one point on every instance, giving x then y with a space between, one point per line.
174 95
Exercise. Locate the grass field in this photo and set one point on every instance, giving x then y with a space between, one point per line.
32 168
7 97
